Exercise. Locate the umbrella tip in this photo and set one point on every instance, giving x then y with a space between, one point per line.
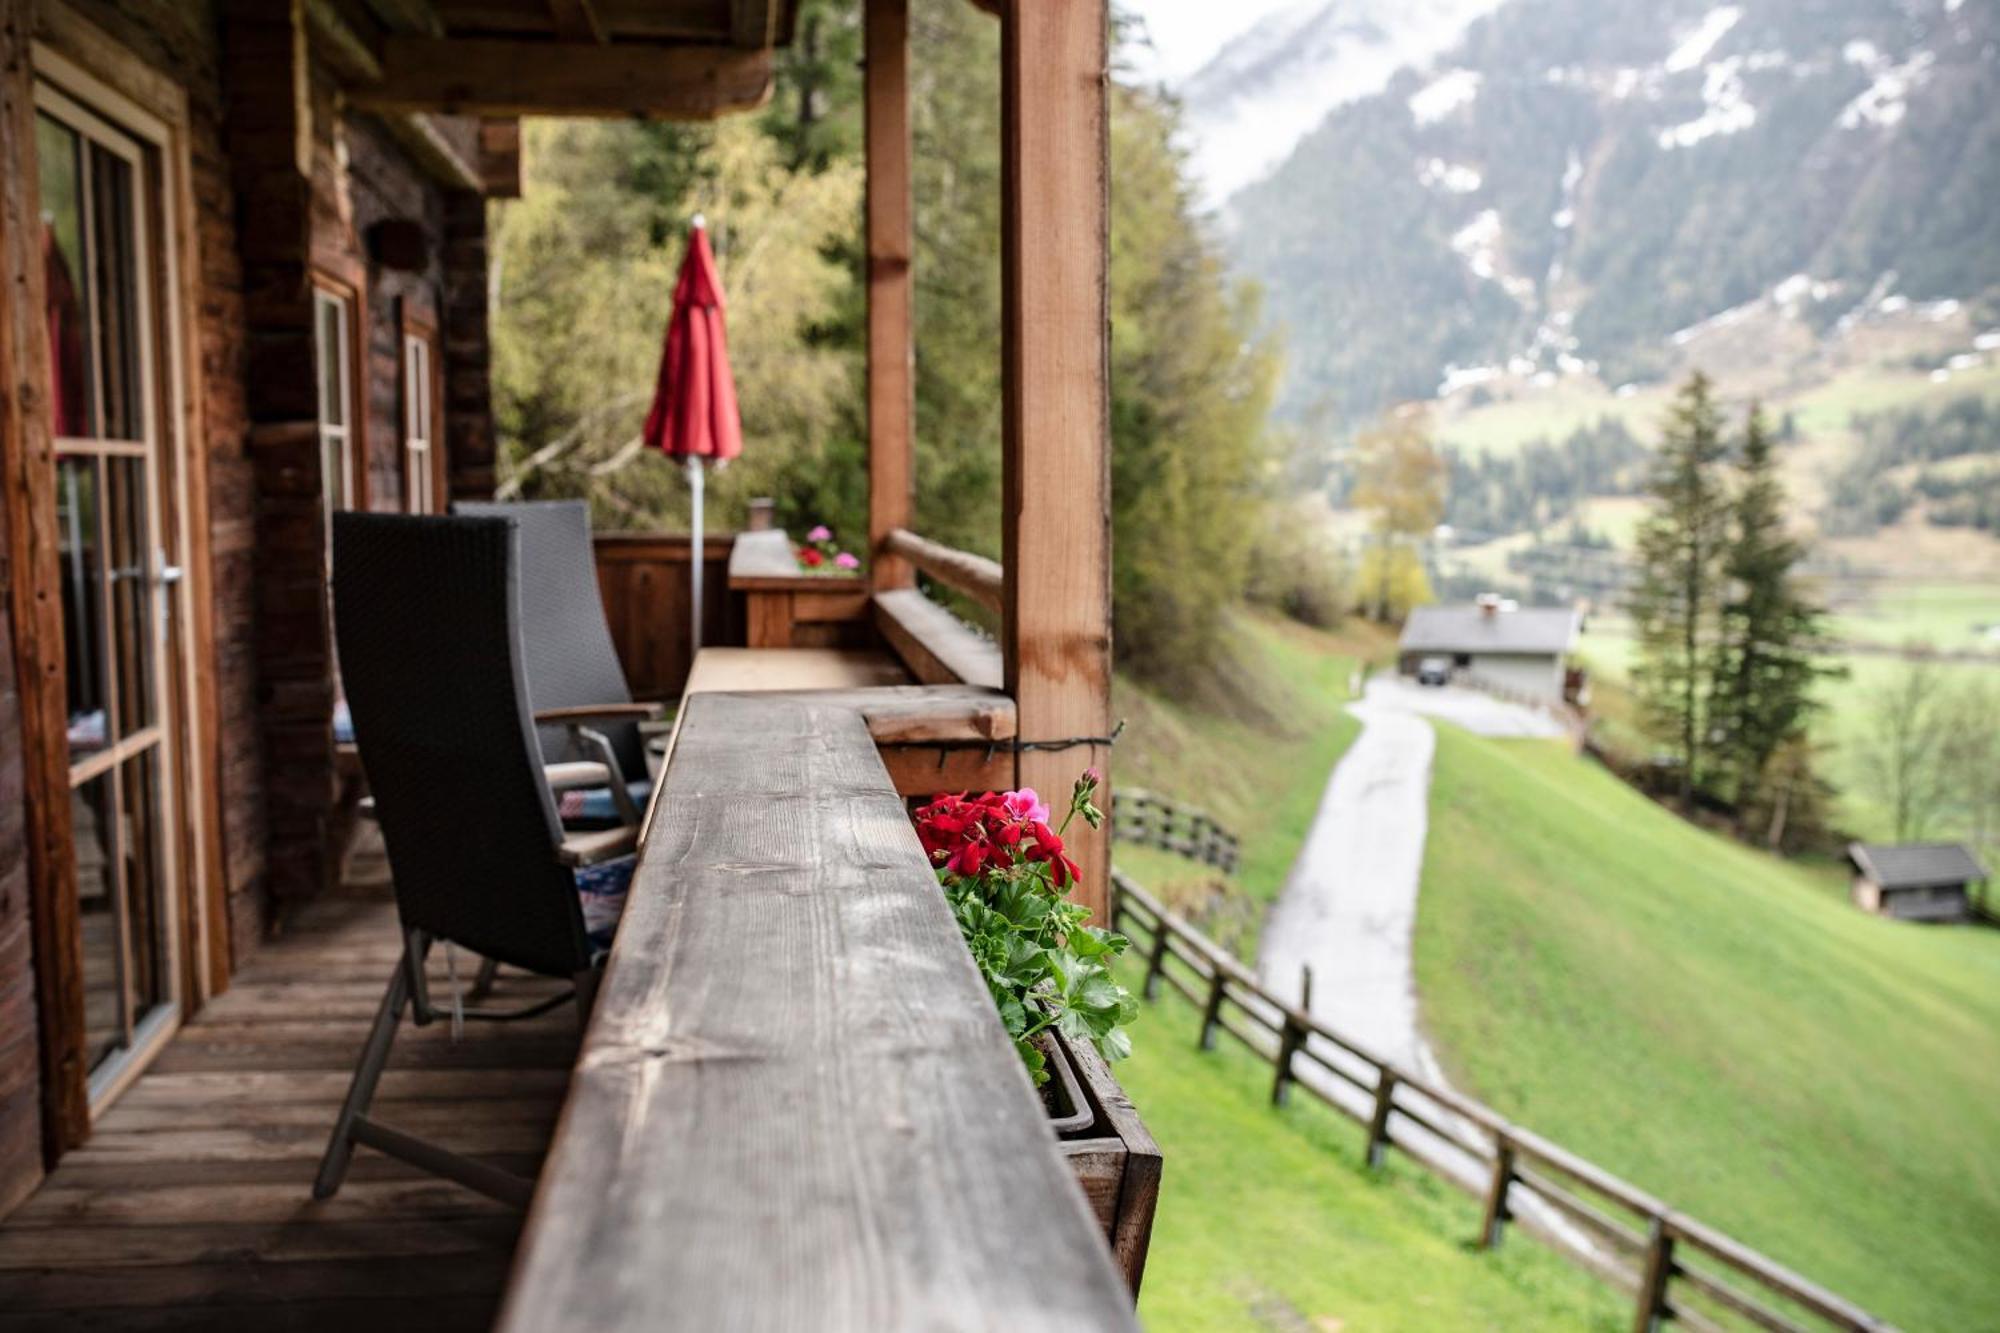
698 222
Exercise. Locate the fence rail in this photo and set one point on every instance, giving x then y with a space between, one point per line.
1151 820
1677 1268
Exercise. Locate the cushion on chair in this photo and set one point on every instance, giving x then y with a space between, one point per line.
592 805
602 888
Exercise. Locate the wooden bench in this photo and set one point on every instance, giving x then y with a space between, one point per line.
795 1107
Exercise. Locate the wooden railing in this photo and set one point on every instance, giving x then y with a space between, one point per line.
1149 820
795 1106
644 579
963 572
1678 1268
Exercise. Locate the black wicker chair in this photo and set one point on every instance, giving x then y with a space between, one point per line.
582 703
427 615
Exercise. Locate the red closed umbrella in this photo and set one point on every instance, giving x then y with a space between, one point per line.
694 416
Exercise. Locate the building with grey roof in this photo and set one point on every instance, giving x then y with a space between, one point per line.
1493 642
1915 881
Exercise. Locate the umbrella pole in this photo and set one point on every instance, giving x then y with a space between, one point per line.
694 565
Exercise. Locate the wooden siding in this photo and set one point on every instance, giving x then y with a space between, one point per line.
645 581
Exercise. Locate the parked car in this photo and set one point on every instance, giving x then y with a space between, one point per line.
1434 671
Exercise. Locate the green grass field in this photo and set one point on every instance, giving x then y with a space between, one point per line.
1950 617
1268 1220
1719 1027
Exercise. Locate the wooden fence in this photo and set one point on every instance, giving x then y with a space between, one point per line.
1677 1268
1155 821
645 581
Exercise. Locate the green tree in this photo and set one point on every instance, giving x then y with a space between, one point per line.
1771 635
1675 598
1399 478
1907 731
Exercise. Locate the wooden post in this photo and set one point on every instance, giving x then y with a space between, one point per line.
1055 437
1156 960
1288 1043
1496 1193
891 349
1378 1119
34 578
1211 1013
1653 1309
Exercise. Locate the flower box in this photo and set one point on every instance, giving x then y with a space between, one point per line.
1114 1159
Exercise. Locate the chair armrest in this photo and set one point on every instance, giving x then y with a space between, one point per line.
589 849
578 713
576 773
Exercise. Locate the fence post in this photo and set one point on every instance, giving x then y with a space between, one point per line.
1211 1013
1653 1310
1288 1042
1378 1120
1156 959
1496 1193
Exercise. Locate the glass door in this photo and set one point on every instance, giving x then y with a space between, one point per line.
103 394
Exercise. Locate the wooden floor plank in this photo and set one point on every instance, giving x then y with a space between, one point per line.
190 1205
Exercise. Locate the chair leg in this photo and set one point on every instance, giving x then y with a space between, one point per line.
367 1073
482 985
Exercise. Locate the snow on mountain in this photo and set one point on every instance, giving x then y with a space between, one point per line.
1269 86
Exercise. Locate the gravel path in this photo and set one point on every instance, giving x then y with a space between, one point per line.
1349 907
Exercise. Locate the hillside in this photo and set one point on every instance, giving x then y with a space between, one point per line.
1268 1220
1581 188
1717 1026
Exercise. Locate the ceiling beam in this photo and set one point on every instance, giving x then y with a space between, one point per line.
754 23
436 154
504 77
339 39
576 21
410 17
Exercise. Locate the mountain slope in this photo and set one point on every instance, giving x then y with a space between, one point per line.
1575 182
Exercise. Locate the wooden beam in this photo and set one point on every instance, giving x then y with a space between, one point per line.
436 154
576 21
413 17
506 77
500 158
34 581
1056 524
972 575
753 24
350 51
891 346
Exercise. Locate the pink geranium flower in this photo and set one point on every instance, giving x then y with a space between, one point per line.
820 533
847 560
1026 805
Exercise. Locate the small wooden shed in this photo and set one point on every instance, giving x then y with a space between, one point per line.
1915 881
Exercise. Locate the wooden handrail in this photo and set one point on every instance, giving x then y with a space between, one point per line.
1659 1224
974 575
796 1106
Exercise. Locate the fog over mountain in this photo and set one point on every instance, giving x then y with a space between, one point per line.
1568 187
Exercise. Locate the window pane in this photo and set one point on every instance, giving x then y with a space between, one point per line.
128 538
117 294
80 549
56 152
331 348
93 829
145 891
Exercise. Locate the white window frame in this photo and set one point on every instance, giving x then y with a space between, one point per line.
336 439
419 426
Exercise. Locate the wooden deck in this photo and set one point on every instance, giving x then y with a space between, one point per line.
190 1205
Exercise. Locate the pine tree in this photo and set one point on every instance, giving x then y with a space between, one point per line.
1676 595
1771 630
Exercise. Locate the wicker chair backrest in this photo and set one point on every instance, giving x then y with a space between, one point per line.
572 661
427 617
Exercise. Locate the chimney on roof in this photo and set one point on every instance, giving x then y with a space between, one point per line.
1488 604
